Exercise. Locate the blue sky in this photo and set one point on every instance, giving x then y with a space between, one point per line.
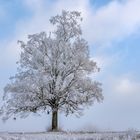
99 3
111 28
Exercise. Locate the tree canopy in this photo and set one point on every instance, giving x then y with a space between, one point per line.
53 72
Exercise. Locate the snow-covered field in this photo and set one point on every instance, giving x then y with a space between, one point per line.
71 136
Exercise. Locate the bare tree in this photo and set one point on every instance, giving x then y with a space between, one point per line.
53 73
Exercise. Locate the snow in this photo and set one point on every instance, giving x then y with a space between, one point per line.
71 136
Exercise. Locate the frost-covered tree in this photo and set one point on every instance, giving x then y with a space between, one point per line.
53 73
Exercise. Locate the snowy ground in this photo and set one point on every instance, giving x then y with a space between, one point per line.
71 136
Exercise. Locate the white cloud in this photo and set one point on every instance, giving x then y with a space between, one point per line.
104 61
127 86
9 52
113 22
123 86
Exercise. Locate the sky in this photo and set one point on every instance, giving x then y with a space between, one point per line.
112 29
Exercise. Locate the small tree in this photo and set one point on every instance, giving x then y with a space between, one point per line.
53 73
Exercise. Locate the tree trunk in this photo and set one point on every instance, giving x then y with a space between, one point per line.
54 120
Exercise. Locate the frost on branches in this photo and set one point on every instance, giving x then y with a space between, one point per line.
53 73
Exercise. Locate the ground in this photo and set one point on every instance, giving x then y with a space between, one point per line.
129 135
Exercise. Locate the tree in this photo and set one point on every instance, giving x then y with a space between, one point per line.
53 73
